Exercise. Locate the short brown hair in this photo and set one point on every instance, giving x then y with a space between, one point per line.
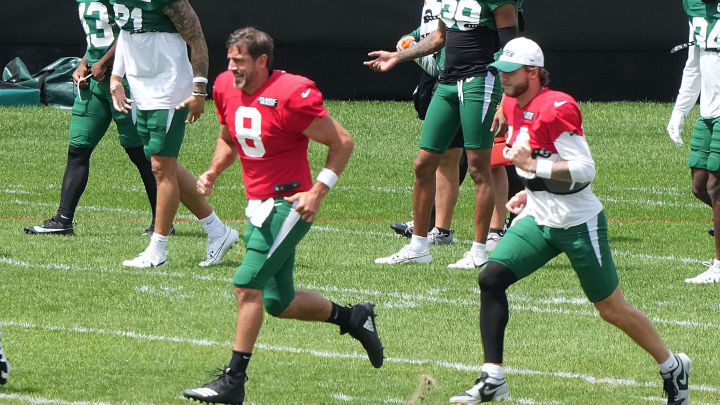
542 73
257 42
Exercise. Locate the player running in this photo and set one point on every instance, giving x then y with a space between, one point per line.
166 90
268 118
557 213
701 77
91 116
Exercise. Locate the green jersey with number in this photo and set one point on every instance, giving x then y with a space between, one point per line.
471 37
704 29
98 20
143 15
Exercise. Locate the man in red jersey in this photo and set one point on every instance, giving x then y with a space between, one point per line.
268 118
557 213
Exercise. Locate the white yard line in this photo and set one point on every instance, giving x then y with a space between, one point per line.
40 400
389 299
609 381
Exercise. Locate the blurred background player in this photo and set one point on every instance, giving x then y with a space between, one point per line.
167 89
701 77
467 96
268 118
558 213
91 117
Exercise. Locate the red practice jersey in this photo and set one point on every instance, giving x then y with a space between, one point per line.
547 116
267 128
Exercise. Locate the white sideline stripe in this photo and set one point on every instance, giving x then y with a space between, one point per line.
612 381
404 297
674 191
40 400
85 207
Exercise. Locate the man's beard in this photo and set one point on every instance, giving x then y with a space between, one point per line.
517 90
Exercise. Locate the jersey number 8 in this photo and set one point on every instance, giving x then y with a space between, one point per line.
249 138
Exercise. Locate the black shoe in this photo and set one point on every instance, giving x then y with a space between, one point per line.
711 231
54 225
403 228
228 388
4 368
151 229
362 327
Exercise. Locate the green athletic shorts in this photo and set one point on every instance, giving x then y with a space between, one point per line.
270 257
91 115
705 145
161 131
473 109
527 246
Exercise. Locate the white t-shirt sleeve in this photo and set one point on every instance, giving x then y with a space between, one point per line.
575 150
691 83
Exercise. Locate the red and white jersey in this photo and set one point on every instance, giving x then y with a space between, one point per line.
552 125
267 128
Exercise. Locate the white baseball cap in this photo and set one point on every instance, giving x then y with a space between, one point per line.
519 52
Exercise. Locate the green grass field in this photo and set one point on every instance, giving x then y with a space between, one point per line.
78 328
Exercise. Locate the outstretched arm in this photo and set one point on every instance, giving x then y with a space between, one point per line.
385 61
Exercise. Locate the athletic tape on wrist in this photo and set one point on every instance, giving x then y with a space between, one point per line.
544 168
200 80
327 177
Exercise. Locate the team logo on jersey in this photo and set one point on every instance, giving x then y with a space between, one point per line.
528 115
268 101
541 152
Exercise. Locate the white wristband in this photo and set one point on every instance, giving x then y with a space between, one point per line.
544 168
327 177
200 80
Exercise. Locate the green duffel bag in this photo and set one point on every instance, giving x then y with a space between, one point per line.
53 83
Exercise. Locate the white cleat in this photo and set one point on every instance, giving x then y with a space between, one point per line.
407 255
492 240
486 389
146 260
216 248
470 261
709 276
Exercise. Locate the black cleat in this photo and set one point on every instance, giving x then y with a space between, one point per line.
228 388
151 229
403 228
711 231
675 382
54 225
4 368
362 327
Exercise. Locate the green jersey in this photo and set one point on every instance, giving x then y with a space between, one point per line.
704 29
143 15
98 20
467 15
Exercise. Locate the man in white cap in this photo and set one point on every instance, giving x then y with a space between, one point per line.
557 213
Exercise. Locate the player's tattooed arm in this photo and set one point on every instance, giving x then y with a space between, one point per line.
188 25
427 46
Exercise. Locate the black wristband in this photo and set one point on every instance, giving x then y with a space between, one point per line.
506 34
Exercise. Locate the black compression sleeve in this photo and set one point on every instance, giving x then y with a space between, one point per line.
506 34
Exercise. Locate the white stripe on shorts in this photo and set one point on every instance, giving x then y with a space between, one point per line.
290 221
592 225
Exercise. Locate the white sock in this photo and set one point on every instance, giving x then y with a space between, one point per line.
418 243
669 364
478 249
157 244
494 371
213 226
